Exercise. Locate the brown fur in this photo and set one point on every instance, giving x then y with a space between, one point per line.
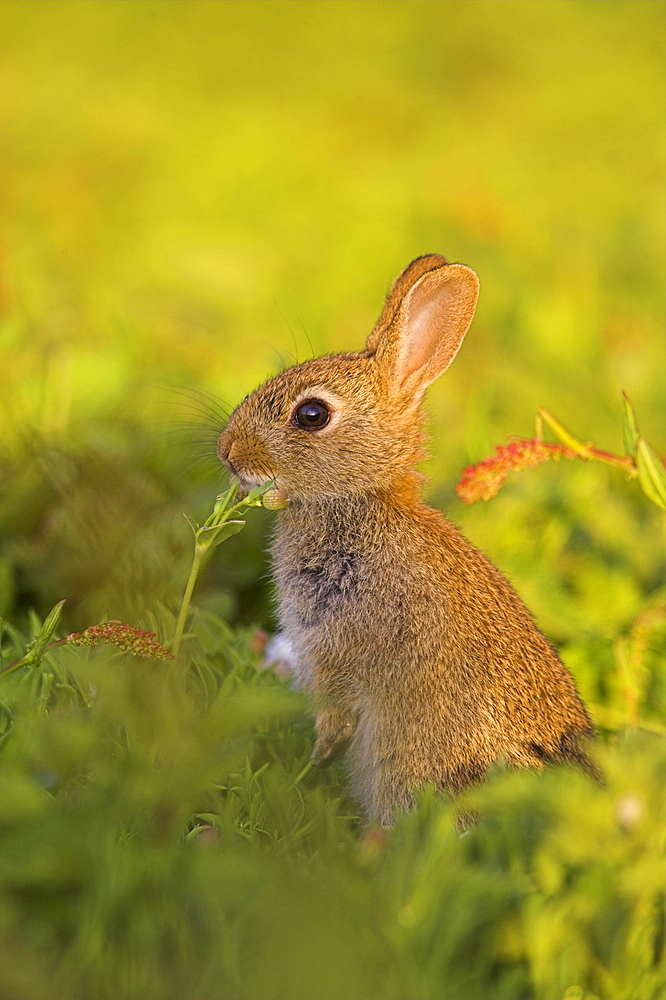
425 664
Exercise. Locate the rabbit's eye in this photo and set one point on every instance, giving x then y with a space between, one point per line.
312 415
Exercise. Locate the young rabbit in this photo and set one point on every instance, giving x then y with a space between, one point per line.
424 663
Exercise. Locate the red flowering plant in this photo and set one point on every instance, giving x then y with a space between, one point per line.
126 637
484 480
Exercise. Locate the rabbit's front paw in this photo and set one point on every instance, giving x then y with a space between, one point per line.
335 727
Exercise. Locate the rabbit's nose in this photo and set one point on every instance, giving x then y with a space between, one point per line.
234 461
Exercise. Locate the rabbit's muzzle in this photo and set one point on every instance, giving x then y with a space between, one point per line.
246 460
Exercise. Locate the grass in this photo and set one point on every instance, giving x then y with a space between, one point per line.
193 195
162 835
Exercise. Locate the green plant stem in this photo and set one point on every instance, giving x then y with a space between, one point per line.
584 449
220 525
199 552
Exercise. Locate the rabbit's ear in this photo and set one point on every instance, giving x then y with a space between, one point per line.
427 314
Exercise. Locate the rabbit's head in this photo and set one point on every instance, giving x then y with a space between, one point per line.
350 423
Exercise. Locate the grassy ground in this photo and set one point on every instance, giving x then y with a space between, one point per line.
191 196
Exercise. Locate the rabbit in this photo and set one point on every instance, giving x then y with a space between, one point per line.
424 664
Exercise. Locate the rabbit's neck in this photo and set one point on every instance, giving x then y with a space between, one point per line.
403 492
328 521
348 517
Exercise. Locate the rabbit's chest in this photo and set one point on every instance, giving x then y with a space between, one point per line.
320 583
335 600
322 570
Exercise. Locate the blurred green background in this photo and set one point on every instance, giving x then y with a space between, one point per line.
195 194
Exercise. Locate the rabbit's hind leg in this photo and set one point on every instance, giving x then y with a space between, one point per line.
335 728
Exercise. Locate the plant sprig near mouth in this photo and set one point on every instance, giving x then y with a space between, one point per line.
221 524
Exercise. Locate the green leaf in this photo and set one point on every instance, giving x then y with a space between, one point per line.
213 536
193 524
35 649
651 473
253 498
631 434
41 641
